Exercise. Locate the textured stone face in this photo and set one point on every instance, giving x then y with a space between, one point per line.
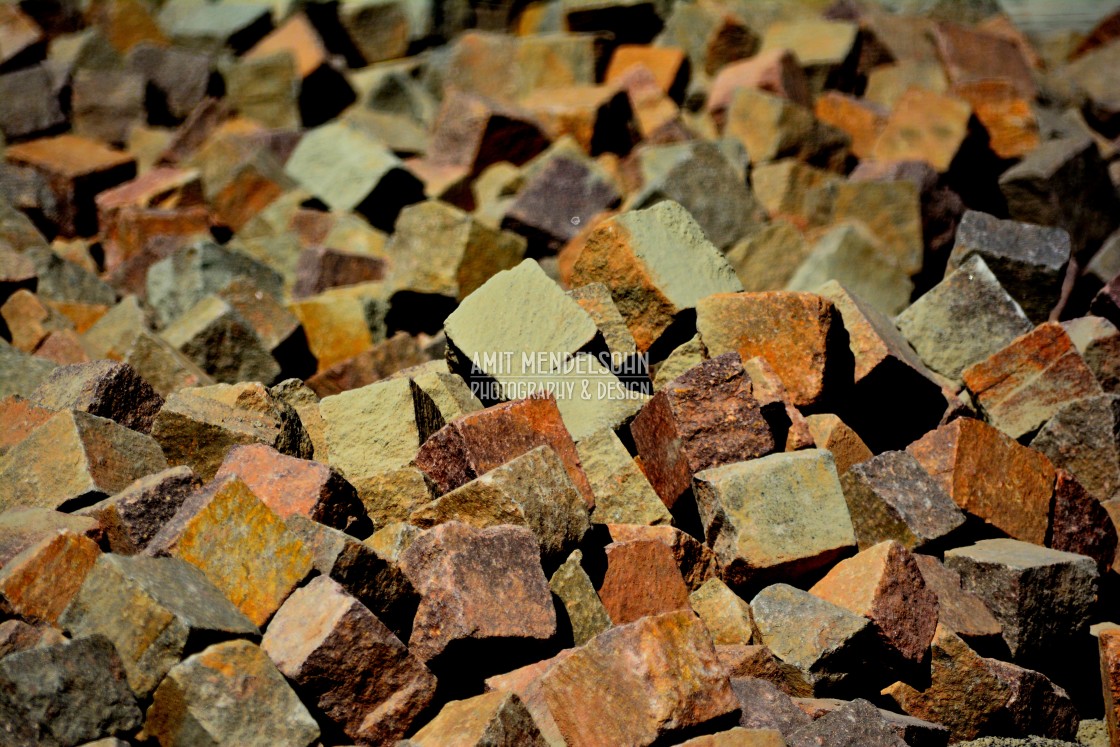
696 561
990 476
1040 596
622 492
456 570
795 332
885 585
103 388
616 689
759 662
1084 438
924 126
1023 385
40 581
133 516
704 418
826 642
1109 645
478 442
587 617
239 543
228 694
531 490
355 670
657 263
149 608
74 459
297 486
496 718
890 497
642 579
959 611
1080 524
65 694
777 516
724 613
764 706
847 448
962 320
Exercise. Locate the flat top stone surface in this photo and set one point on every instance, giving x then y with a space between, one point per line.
1015 554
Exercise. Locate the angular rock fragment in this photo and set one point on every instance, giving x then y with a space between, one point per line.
782 515
1098 341
638 256
151 608
1029 261
106 104
797 334
764 706
495 718
1021 386
477 442
885 585
826 642
831 433
243 547
965 318
38 583
696 562
531 490
75 459
477 586
614 688
1040 596
959 611
641 579
65 694
1080 523
622 492
197 427
759 662
471 133
288 486
890 497
990 476
705 418
222 343
854 722
230 693
586 615
924 126
725 614
771 128
348 663
104 388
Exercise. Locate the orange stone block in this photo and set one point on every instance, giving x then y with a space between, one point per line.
1005 113
37 584
924 126
861 120
666 63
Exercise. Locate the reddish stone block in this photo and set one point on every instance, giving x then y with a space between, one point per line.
473 133
642 579
477 442
776 71
37 584
970 55
695 560
1080 524
704 418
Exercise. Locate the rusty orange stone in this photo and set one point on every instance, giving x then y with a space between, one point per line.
135 229
970 55
795 332
695 560
666 64
18 417
924 126
642 579
1005 113
1023 385
830 432
239 543
597 117
29 320
990 476
162 187
37 584
860 119
477 442
884 584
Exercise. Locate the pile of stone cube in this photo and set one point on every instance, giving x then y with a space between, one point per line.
720 373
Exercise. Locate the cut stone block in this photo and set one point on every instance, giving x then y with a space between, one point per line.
230 693
781 515
622 491
177 77
764 706
150 608
39 111
891 497
862 120
38 583
847 448
355 671
697 563
338 325
771 128
104 388
641 579
130 518
349 170
471 132
725 614
884 584
243 548
66 694
1040 596
288 486
197 427
454 567
75 459
531 490
641 704
586 615
776 71
19 417
595 299
1084 438
477 442
990 476
972 54
960 611
222 343
706 417
495 718
797 334
962 320
924 126
711 37
106 104
826 49
1098 341
641 257
826 642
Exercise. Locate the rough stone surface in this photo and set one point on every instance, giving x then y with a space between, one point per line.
724 613
103 388
586 615
130 518
641 579
960 611
40 581
622 492
496 718
764 706
778 516
1084 438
